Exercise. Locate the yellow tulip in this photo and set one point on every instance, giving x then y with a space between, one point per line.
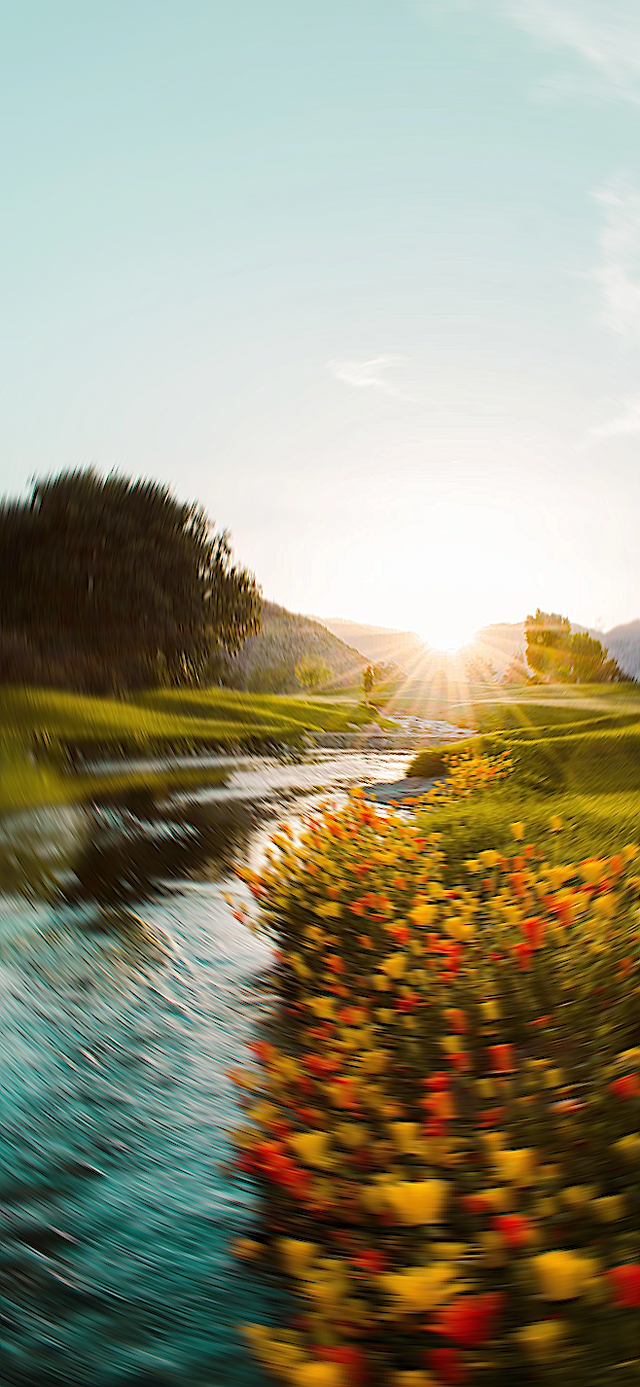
610 1208
297 1256
352 1134
423 913
490 1009
324 1007
329 910
300 966
489 858
577 1195
629 1146
375 1061
419 1289
561 1274
395 965
541 1338
320 1375
419 1201
247 1248
516 1166
555 823
557 877
630 851
591 870
500 1198
517 830
605 906
416 1377
313 1148
406 1136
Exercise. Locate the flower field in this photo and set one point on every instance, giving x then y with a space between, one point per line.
447 1133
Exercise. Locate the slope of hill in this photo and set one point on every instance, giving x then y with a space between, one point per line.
267 662
623 642
379 644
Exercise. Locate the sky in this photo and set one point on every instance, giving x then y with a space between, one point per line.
361 276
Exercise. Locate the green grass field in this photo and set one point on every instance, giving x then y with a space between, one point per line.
574 752
40 728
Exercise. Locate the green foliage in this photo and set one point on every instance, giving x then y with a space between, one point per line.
312 674
556 654
578 756
115 572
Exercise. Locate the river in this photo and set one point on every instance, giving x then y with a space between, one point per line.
117 1209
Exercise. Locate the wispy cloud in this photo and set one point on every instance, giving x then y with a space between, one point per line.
367 375
603 34
619 270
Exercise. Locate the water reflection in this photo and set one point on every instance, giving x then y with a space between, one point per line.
130 989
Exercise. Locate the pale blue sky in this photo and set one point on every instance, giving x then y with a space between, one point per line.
361 275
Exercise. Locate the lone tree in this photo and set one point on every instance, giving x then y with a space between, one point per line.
120 570
556 654
312 674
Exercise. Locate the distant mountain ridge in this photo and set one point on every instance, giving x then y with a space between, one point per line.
494 646
378 644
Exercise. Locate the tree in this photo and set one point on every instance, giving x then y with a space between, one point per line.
312 674
120 569
557 654
368 679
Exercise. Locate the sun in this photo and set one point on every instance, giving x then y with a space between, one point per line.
448 638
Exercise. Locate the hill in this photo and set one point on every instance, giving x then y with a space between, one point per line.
623 642
379 644
267 661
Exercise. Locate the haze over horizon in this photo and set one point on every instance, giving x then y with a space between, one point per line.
363 278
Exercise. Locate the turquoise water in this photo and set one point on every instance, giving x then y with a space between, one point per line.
115 1213
116 1207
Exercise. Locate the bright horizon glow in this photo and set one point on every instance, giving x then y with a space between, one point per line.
449 637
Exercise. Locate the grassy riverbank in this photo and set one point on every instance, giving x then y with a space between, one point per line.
44 732
575 753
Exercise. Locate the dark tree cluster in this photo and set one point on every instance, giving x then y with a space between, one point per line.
115 574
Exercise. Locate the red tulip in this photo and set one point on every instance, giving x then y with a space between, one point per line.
534 931
447 1364
501 1058
470 1319
515 1229
626 1284
523 953
627 1086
